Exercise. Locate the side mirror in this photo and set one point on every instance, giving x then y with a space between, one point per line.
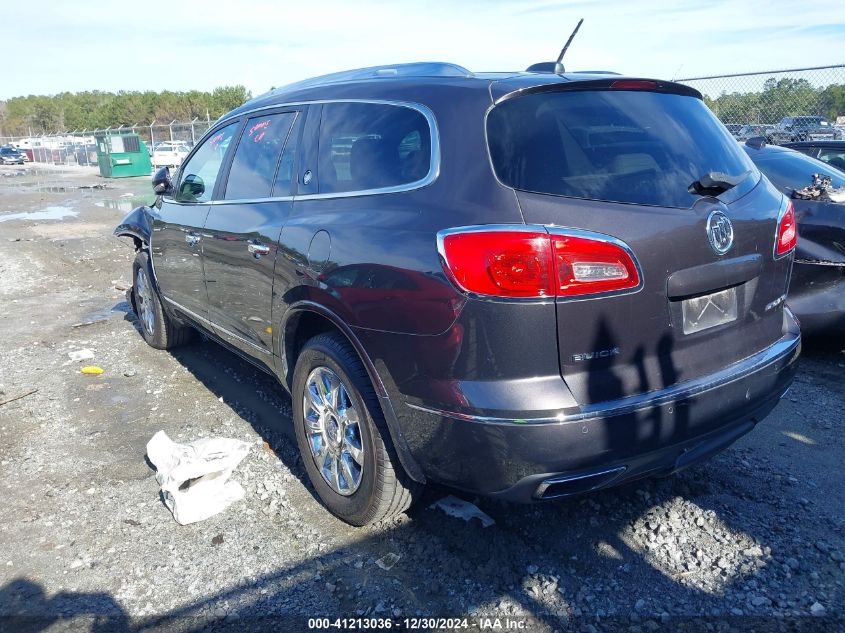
161 181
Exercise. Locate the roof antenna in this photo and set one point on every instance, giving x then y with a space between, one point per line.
559 69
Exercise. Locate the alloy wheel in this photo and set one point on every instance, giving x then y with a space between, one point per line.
332 426
144 301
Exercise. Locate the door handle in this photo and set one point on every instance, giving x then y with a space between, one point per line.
258 249
192 239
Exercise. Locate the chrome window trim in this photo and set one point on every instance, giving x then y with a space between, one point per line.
213 325
433 168
253 200
551 230
788 344
434 161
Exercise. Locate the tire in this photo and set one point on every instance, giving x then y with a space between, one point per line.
382 489
157 328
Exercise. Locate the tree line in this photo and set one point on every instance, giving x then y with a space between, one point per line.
38 114
67 111
780 98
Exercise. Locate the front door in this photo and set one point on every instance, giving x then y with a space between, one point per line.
241 233
176 244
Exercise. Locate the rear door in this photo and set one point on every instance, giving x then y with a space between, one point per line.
176 244
241 233
623 163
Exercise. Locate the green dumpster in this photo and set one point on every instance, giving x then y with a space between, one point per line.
122 154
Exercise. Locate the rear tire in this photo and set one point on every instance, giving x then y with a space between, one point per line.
342 435
157 328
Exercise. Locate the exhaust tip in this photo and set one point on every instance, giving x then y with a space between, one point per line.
568 485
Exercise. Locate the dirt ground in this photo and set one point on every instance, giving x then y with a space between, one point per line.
752 539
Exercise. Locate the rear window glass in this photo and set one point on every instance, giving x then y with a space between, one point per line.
795 170
372 146
621 146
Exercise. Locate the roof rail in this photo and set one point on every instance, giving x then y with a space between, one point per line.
415 69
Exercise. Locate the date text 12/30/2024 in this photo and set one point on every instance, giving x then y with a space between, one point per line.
419 623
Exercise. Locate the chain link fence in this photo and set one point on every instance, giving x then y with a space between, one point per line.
781 105
78 147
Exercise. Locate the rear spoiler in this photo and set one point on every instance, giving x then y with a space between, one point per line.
606 83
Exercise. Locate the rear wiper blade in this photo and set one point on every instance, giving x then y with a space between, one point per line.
715 182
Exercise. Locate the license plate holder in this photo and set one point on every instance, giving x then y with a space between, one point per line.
709 311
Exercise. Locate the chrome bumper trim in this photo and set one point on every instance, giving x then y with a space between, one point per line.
785 346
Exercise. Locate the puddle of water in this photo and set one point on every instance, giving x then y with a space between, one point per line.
104 314
49 213
126 204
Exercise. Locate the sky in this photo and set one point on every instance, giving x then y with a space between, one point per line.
75 45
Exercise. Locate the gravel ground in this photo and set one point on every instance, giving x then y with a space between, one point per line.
752 539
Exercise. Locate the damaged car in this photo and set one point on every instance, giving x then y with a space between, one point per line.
524 285
817 192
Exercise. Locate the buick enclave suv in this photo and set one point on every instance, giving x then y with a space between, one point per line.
524 285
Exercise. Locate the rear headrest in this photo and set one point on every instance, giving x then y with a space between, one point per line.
373 163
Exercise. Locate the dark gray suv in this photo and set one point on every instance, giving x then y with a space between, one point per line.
523 285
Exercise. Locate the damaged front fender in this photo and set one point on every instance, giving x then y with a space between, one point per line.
138 225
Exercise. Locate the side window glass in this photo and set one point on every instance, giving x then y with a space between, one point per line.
199 175
284 174
372 146
257 156
835 157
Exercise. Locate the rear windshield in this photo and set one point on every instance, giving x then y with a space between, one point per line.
794 170
620 146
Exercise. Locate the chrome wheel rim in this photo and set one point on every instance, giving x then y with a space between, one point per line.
144 301
333 428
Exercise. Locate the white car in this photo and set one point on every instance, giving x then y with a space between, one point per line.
169 154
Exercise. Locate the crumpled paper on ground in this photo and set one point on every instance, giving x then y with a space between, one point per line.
194 477
461 509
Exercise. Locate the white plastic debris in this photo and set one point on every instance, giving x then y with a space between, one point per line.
194 477
838 195
461 509
388 560
80 355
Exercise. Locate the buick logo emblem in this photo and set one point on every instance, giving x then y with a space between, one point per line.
720 232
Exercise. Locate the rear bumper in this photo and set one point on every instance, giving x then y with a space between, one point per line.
816 297
528 458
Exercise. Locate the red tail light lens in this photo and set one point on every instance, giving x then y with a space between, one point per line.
787 235
633 84
586 266
500 263
534 264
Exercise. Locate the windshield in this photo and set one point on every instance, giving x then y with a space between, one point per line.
622 146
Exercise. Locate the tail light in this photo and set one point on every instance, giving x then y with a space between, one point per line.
535 263
633 84
787 233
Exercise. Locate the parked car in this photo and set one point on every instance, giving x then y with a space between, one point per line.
751 130
85 154
169 154
816 291
580 285
831 152
802 128
734 128
11 156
